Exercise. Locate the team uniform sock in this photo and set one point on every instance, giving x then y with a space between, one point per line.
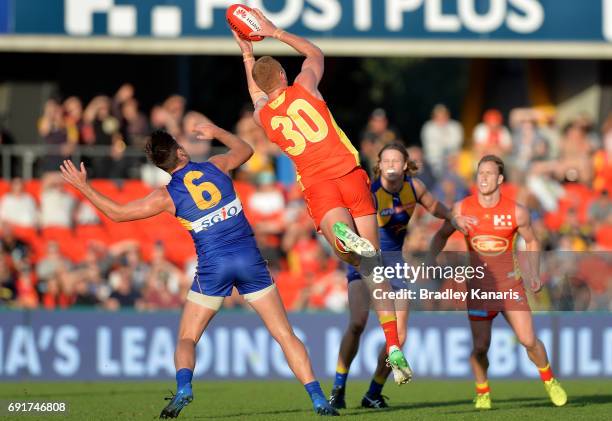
546 373
341 375
376 387
314 388
389 326
482 388
183 377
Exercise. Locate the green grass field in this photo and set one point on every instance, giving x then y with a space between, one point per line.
282 400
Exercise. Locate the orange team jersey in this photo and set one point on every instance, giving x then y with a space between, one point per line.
304 128
491 243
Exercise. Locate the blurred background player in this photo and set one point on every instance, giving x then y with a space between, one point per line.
335 187
396 193
203 199
491 243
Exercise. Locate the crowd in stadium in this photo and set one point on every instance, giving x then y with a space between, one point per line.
58 252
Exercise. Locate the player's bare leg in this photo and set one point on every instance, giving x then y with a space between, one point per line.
337 224
359 304
194 320
522 324
271 310
373 397
481 338
367 227
327 223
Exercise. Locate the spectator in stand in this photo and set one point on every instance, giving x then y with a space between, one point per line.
134 124
575 161
17 251
52 264
56 205
73 117
123 94
264 150
441 137
116 165
602 159
174 106
124 295
27 296
197 150
157 295
8 287
52 130
159 119
528 145
377 134
491 137
162 271
266 208
424 172
17 207
100 123
139 270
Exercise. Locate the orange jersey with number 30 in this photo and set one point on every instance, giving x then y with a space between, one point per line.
304 128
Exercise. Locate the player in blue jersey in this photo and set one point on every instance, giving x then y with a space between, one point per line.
202 197
396 194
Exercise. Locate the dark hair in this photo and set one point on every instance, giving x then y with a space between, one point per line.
411 168
495 159
161 149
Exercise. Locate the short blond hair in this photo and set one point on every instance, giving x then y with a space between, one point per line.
266 73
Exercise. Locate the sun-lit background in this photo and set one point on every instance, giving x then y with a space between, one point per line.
84 298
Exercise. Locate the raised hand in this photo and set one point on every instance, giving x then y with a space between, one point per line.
78 178
206 131
267 27
245 45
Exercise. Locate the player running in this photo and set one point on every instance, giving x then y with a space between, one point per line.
336 188
202 197
491 244
396 194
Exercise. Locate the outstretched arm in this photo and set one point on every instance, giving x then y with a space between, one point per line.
258 96
438 242
239 151
439 210
313 66
155 203
525 229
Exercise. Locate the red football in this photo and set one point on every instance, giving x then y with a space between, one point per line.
241 20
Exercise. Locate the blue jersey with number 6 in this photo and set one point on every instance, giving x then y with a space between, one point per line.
207 206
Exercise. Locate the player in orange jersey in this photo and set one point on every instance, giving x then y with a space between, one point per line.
491 243
336 188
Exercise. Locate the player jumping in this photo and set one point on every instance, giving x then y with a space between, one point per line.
491 245
396 194
336 188
202 197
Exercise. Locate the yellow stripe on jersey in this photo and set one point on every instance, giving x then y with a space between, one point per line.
384 200
407 198
185 223
277 102
344 139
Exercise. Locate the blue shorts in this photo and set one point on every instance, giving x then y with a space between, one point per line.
243 268
390 258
